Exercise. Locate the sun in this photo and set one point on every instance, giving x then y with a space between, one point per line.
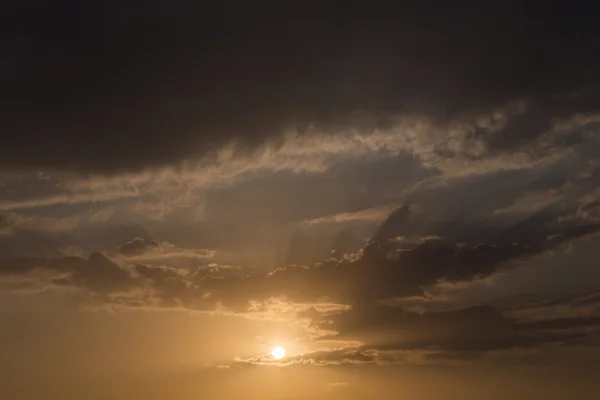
278 352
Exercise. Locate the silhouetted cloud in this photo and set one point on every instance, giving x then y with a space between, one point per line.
381 270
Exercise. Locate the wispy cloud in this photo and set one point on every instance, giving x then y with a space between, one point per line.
12 223
371 214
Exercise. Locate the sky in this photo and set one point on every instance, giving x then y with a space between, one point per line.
406 198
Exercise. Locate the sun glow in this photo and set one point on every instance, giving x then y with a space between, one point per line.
278 352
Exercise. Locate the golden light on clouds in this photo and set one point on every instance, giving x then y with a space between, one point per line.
278 352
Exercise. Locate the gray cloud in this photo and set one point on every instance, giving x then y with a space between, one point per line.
137 246
472 330
573 307
13 223
96 274
381 270
285 70
149 251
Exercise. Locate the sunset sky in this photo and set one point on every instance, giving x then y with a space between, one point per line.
404 198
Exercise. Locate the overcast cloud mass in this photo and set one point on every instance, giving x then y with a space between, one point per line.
402 194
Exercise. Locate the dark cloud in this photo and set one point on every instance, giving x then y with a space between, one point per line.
85 83
472 330
394 224
96 274
28 235
583 308
541 117
109 236
382 270
172 289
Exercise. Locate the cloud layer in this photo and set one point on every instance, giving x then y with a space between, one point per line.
108 81
363 175
338 300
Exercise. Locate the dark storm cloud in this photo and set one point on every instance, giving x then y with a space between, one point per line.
108 85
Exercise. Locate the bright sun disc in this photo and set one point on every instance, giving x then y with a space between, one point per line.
278 353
